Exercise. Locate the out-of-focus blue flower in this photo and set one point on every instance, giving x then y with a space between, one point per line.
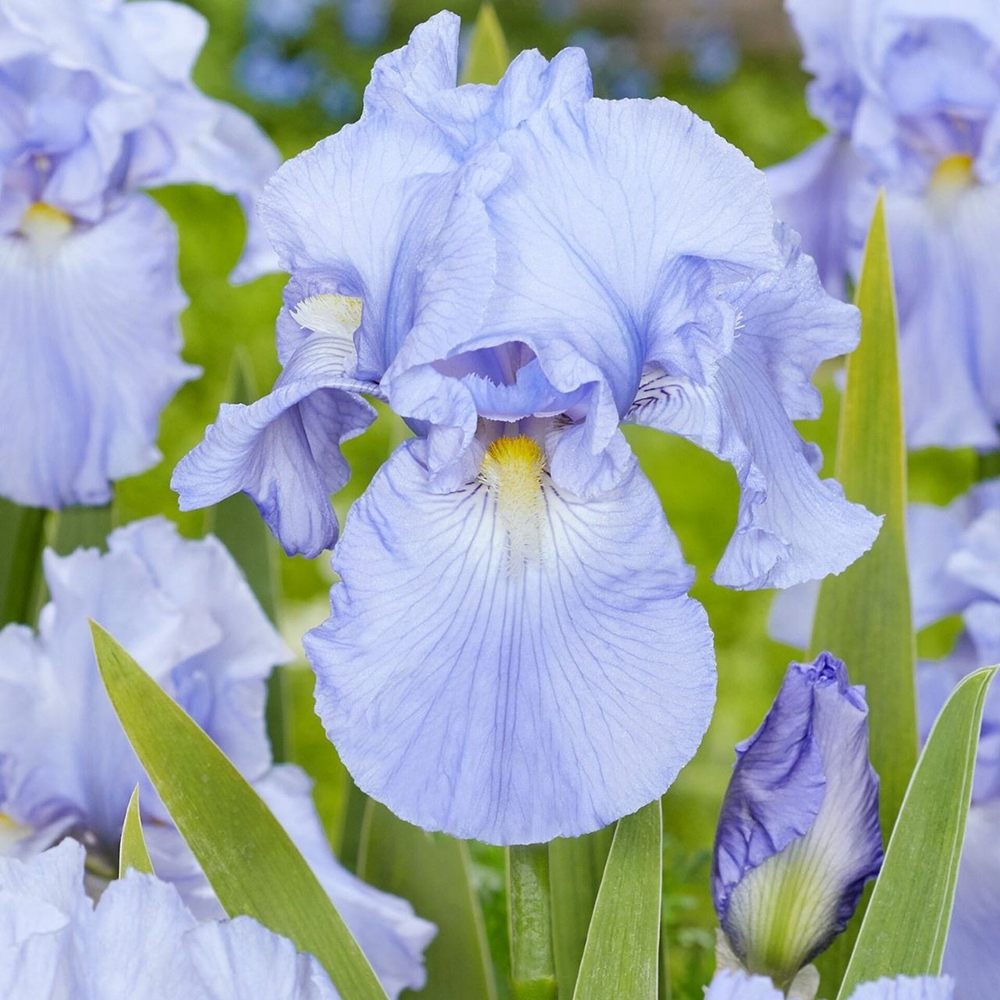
98 104
284 18
497 264
559 10
183 609
339 97
267 74
954 555
731 985
799 832
139 942
365 22
911 94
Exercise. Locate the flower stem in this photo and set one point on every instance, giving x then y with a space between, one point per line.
22 537
989 465
532 965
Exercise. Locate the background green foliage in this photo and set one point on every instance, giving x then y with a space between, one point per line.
761 110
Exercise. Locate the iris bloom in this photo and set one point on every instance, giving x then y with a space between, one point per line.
730 985
910 92
186 613
98 105
954 571
519 270
799 832
138 943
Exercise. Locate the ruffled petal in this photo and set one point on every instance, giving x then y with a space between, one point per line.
38 904
284 450
81 308
392 937
792 526
503 701
242 960
364 210
232 154
136 944
810 193
732 985
183 609
419 80
908 988
579 293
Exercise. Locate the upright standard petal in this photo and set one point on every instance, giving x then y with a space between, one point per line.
799 831
84 304
509 694
419 80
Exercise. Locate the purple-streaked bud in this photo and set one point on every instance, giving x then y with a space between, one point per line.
799 832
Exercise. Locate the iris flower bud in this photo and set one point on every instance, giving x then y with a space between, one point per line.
799 833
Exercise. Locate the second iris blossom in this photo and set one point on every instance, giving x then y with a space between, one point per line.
518 270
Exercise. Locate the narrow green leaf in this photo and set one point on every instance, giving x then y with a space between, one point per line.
132 852
237 523
82 527
488 56
352 827
864 614
529 910
906 925
432 871
576 865
622 952
22 538
251 863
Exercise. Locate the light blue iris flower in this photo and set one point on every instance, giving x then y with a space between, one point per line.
519 270
139 942
954 556
731 985
799 833
97 105
911 94
184 610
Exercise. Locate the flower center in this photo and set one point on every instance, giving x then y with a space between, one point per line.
512 469
45 225
952 173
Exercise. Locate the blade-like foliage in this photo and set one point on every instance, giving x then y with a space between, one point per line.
488 53
432 871
906 924
621 956
863 615
576 865
249 859
132 852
